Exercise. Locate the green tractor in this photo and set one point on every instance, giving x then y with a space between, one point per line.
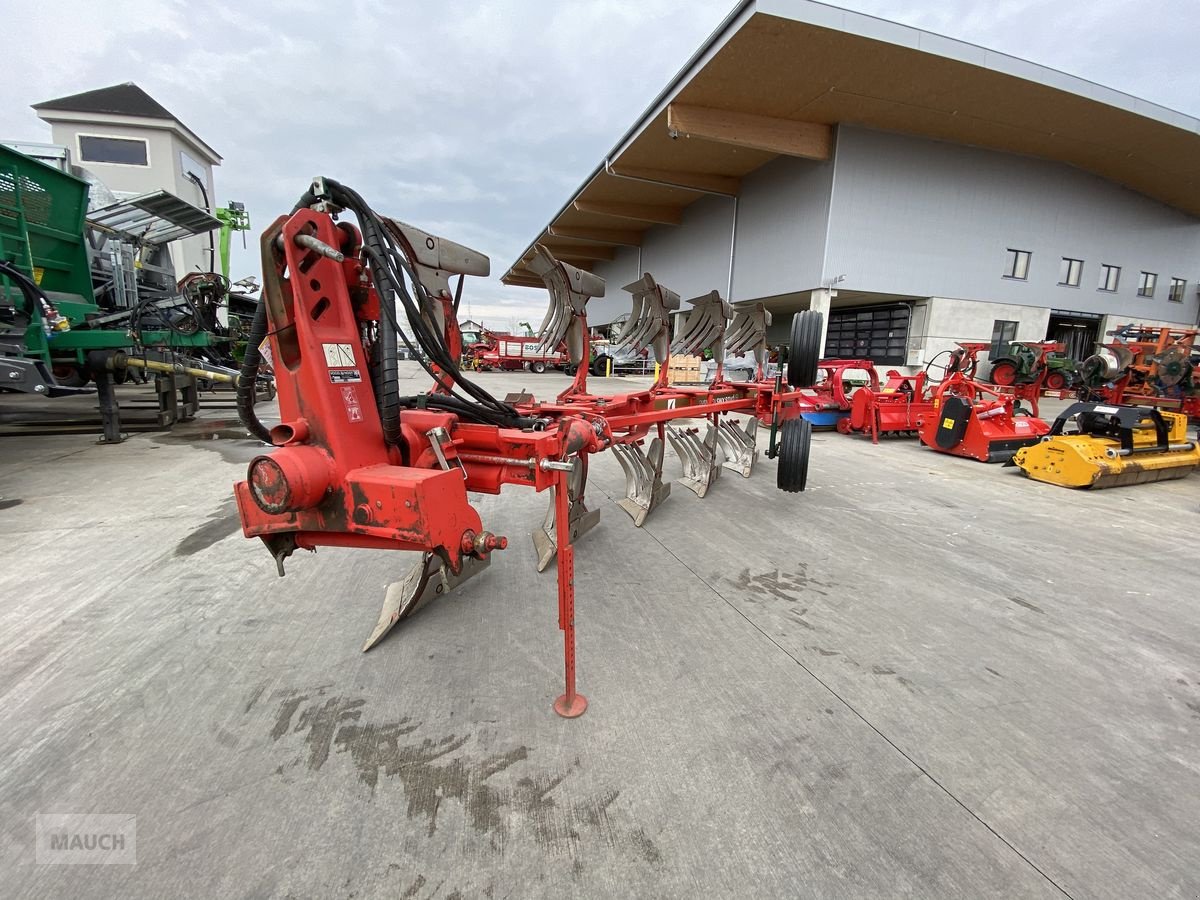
1026 362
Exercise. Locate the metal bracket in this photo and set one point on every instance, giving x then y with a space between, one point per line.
439 439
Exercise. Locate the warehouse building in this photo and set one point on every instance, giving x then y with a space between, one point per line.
917 189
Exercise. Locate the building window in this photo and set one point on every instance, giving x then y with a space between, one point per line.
1003 333
1178 286
1017 265
1110 277
1070 272
1147 282
115 150
877 333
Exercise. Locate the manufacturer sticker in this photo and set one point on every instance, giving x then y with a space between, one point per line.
338 355
344 376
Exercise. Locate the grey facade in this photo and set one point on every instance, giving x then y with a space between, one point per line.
921 217
898 219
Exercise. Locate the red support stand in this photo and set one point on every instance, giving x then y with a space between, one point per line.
570 705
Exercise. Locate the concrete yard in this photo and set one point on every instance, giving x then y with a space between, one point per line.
923 677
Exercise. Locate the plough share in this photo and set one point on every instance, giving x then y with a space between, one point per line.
356 464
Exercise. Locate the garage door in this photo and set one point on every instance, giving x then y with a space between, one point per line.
877 333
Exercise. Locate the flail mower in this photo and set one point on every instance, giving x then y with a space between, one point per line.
1094 445
357 464
978 421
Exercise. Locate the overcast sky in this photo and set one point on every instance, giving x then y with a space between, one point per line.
476 120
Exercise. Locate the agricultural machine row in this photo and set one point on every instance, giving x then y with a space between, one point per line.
89 295
355 463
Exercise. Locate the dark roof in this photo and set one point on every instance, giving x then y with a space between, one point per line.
121 100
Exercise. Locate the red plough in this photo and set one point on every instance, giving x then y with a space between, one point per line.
356 464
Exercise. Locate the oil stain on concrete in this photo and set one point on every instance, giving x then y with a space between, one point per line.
219 526
434 771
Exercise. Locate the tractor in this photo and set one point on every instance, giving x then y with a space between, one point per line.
1025 362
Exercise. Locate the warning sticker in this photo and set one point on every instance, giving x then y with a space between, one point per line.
350 400
947 424
338 355
344 376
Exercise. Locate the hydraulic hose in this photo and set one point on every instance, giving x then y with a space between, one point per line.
248 377
388 385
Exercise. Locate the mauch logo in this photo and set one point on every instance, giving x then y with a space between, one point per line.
72 839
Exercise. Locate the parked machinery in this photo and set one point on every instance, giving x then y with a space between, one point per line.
1145 366
87 294
357 464
904 401
894 408
1039 363
977 421
1094 445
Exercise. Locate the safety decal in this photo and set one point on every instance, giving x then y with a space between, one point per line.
350 400
338 355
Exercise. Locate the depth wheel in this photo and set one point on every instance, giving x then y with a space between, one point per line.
794 440
804 351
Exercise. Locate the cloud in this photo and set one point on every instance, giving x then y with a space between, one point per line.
477 118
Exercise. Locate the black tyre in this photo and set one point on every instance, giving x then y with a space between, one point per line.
804 351
538 367
794 438
600 366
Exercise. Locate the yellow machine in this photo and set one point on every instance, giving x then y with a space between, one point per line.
1092 445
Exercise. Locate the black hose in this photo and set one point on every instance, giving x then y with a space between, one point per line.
212 245
388 400
247 383
392 272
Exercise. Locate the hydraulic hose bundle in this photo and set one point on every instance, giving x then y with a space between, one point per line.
392 274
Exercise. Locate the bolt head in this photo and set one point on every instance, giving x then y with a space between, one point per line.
41 389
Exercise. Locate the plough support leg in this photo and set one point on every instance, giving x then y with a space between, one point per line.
738 445
570 704
580 519
644 488
428 578
699 458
